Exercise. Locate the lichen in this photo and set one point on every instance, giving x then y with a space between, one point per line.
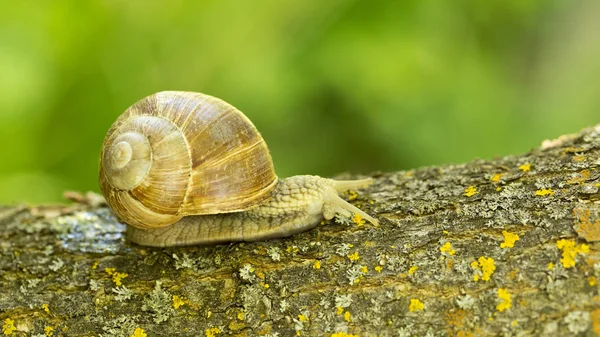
525 167
496 177
509 239
470 191
505 300
570 251
355 274
465 302
159 302
354 256
447 249
122 326
578 321
247 273
139 332
416 305
8 327
184 262
212 332
116 276
584 225
358 220
483 268
544 192
56 265
274 253
123 293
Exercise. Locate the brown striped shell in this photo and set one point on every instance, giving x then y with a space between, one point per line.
175 153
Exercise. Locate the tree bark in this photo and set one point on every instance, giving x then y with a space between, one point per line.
492 247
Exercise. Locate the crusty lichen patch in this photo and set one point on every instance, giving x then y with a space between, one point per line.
570 251
587 222
509 239
505 300
483 268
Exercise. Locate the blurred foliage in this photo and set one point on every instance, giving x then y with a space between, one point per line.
334 86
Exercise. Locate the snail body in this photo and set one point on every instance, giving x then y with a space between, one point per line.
183 168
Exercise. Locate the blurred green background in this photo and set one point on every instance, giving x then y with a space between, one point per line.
334 86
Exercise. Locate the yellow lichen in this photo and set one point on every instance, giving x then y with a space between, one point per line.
241 315
292 249
347 316
506 301
266 285
416 305
470 191
352 195
447 248
525 167
509 239
592 281
484 268
212 332
116 277
496 177
49 331
317 265
544 192
95 265
46 308
339 310
9 327
498 189
358 220
378 269
302 318
570 251
139 332
354 256
177 301
550 266
364 269
412 270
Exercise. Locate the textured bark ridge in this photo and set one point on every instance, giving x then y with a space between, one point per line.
492 247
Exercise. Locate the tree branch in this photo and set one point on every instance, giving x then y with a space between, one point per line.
504 246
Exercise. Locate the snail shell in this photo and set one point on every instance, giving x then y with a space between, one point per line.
174 154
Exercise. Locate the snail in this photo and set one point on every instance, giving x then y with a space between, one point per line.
185 168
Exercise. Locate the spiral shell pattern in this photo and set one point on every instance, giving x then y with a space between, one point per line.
174 154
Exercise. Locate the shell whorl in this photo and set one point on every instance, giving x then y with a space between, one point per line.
174 154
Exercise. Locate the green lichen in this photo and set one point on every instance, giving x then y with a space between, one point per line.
158 302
